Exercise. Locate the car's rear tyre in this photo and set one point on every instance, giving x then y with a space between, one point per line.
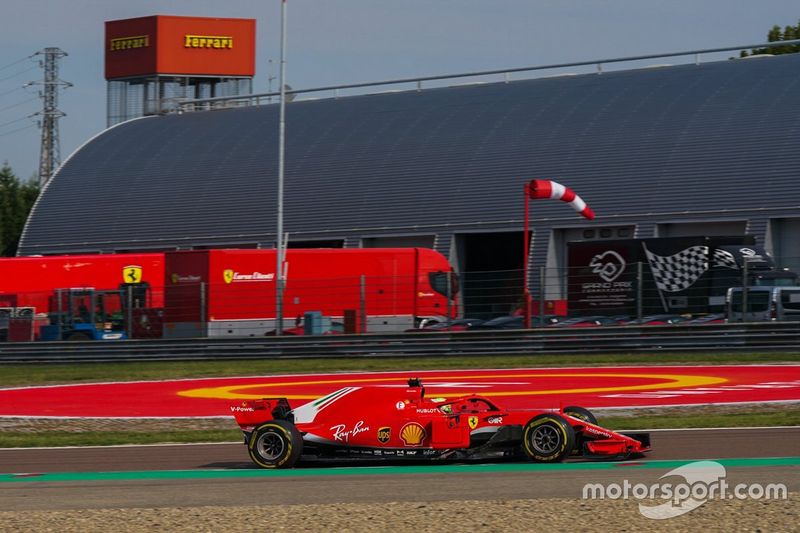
548 438
275 444
581 414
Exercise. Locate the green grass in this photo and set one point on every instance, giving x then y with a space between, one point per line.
18 375
787 417
10 439
18 439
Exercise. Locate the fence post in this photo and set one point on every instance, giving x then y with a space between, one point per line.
744 289
203 308
449 292
362 305
542 281
129 312
639 290
60 310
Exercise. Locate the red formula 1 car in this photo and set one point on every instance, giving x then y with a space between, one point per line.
392 422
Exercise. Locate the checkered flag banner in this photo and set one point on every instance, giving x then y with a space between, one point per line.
724 259
677 272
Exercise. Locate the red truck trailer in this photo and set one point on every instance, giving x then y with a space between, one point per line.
232 292
70 289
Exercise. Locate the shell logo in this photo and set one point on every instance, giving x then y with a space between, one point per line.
412 434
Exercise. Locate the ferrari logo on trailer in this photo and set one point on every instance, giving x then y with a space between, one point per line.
384 434
132 274
412 434
473 422
228 275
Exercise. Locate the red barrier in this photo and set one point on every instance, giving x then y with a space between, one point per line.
532 387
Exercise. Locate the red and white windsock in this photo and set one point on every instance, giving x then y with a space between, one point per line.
543 189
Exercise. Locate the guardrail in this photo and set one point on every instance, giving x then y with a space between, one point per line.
770 336
260 98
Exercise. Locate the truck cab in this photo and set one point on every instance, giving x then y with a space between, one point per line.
763 303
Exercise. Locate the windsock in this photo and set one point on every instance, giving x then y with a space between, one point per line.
542 189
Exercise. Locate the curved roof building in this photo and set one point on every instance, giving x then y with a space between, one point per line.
685 150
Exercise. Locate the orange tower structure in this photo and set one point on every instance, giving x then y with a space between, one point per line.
153 62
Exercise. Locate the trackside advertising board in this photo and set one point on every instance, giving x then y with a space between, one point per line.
679 274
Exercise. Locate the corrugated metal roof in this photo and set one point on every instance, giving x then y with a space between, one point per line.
694 139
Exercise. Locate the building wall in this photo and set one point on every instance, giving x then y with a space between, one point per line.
682 149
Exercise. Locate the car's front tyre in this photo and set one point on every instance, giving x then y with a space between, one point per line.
581 414
548 438
275 444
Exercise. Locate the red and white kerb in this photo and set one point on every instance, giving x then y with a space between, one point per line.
543 189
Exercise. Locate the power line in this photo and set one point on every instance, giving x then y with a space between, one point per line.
13 121
12 90
16 62
18 129
19 103
18 73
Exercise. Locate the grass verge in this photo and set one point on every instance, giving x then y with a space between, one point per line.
14 439
790 416
21 375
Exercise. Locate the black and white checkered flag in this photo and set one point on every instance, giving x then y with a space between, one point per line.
724 259
677 272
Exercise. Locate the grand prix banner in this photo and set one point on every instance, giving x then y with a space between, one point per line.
596 387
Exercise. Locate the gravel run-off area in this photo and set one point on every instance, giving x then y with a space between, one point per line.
449 516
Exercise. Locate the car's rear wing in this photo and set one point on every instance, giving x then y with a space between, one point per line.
254 412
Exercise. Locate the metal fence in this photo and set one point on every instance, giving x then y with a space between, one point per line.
598 65
769 336
600 293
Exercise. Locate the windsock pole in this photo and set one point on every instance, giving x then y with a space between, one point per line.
539 190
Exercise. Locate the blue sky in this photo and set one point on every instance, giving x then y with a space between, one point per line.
348 41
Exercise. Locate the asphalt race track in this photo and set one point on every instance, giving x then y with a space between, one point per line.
221 474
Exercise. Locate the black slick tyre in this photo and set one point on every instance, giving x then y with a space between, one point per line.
581 414
548 438
275 444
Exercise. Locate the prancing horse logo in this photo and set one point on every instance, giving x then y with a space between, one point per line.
132 274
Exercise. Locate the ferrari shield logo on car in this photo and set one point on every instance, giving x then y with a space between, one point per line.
473 422
384 434
412 434
228 275
132 274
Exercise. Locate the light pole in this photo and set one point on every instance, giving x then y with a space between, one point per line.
281 140
270 77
